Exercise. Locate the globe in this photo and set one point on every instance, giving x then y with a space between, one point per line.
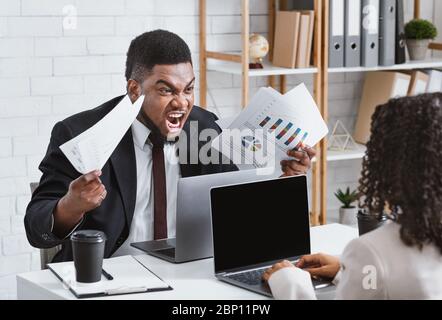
258 49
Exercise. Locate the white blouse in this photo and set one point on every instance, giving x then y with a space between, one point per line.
377 265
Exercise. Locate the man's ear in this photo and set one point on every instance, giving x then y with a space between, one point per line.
133 90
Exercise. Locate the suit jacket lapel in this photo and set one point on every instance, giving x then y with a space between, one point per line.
124 165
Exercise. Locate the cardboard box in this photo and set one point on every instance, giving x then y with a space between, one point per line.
418 83
379 87
286 38
434 81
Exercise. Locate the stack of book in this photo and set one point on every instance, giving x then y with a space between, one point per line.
293 38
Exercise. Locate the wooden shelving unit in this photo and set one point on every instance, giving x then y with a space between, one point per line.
327 155
237 64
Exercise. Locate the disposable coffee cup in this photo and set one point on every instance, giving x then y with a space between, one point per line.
88 252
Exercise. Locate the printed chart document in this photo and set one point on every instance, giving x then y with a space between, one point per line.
224 123
91 149
130 276
271 125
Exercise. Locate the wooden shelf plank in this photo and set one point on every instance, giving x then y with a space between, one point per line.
333 155
269 69
357 153
420 64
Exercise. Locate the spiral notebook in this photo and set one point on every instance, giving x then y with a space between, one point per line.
129 276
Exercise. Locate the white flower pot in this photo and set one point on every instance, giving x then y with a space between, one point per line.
348 216
418 48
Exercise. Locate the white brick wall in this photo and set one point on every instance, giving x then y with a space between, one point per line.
18 47
53 47
5 147
25 106
12 87
9 8
33 26
58 85
48 73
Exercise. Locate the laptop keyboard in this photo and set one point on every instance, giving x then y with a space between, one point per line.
253 277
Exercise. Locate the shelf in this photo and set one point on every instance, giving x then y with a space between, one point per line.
269 69
357 153
345 155
420 64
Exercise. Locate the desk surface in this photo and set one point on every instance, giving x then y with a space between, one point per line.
192 280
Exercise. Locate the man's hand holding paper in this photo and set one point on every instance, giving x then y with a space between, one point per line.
302 162
274 129
88 152
85 194
91 149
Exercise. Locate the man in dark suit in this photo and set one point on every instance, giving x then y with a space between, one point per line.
133 197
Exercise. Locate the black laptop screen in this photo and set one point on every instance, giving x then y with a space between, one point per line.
259 222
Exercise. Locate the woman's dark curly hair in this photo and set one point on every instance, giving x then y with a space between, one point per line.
402 167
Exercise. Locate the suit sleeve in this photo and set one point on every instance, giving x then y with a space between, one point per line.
362 275
57 174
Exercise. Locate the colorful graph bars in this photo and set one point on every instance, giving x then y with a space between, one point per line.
284 131
293 137
302 140
276 125
264 122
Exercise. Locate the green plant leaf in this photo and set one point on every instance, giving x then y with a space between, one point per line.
420 29
347 198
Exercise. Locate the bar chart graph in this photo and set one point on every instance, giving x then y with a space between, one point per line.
285 131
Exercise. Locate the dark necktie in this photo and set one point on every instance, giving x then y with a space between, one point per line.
159 186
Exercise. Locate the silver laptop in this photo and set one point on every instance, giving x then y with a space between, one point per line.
256 225
193 239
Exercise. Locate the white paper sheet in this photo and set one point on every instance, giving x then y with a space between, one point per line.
91 149
224 123
271 125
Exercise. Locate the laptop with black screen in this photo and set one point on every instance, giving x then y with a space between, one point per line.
193 239
257 224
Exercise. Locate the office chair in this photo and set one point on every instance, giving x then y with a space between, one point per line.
46 255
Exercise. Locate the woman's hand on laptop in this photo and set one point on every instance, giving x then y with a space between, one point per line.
276 267
301 162
320 265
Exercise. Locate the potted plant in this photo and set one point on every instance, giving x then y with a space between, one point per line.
418 33
347 212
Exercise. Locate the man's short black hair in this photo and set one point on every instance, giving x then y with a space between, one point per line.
152 48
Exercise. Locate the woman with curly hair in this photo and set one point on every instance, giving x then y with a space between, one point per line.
402 170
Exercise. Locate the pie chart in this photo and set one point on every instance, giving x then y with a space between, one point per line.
251 143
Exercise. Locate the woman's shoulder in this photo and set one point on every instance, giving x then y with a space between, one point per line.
386 247
389 231
375 245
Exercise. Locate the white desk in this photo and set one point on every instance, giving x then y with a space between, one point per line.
192 280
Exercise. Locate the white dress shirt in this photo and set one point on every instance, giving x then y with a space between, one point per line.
142 227
377 266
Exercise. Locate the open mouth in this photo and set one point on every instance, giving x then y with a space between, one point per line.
174 120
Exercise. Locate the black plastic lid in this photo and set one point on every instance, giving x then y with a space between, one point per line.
91 236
